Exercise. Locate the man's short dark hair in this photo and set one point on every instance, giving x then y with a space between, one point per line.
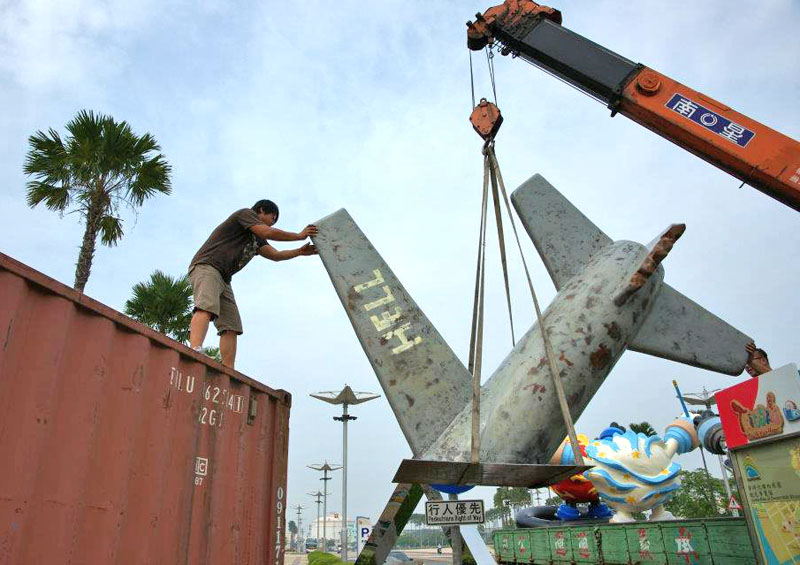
266 207
762 352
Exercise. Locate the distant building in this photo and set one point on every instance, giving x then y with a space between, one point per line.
333 528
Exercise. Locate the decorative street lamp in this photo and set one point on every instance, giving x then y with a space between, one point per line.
346 397
318 495
299 525
325 478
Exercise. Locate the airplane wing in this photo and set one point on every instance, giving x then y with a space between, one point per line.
681 330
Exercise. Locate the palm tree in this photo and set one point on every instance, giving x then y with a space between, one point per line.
213 352
163 303
293 532
642 428
99 167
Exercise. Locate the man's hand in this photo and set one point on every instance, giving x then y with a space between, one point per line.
308 248
269 252
308 231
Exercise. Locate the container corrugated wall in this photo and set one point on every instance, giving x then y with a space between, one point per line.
120 445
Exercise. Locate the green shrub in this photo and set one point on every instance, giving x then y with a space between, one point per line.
322 558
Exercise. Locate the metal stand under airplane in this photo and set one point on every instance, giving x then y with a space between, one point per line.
413 478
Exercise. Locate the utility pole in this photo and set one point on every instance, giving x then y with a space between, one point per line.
319 502
345 397
299 525
325 468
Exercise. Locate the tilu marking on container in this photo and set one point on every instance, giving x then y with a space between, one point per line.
388 318
180 381
220 398
210 417
217 395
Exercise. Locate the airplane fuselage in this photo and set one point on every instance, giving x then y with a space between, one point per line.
521 421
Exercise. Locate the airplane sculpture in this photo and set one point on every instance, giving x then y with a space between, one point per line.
611 298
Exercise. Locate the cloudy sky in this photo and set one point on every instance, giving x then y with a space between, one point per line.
322 105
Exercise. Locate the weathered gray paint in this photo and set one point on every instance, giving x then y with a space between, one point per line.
709 343
677 328
563 236
429 389
424 382
520 417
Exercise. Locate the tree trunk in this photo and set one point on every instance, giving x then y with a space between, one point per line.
86 255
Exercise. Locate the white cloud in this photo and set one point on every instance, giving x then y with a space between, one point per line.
45 44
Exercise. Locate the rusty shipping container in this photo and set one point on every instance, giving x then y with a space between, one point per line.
120 445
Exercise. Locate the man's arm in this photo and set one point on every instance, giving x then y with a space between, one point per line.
269 252
267 232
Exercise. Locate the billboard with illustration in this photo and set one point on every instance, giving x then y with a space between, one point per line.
761 421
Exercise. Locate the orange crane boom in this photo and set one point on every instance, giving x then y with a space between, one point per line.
750 151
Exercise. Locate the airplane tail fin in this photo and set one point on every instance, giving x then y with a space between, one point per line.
424 382
565 239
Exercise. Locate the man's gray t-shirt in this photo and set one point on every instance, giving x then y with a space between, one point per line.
231 245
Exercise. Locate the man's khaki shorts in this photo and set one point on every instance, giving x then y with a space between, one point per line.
213 294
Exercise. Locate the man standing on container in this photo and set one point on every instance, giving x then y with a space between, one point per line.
226 251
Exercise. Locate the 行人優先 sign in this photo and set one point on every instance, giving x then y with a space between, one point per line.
442 512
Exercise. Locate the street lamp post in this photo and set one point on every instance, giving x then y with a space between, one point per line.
325 468
318 501
345 397
299 525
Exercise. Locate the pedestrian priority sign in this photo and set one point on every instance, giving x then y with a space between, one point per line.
443 512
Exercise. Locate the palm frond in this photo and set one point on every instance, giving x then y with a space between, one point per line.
84 143
110 230
116 156
146 144
152 177
48 159
164 303
55 197
86 125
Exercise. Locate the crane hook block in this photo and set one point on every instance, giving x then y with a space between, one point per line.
486 119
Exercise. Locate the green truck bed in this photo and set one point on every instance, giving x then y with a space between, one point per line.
719 541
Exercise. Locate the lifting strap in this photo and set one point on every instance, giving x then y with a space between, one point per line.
476 331
548 347
491 171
